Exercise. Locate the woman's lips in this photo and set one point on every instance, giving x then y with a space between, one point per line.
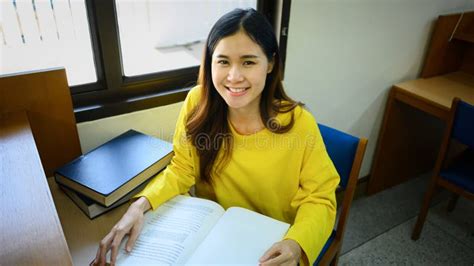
236 91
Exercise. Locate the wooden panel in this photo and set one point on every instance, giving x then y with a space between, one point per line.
465 28
445 53
407 146
31 233
468 62
46 98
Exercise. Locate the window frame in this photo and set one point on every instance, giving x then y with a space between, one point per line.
115 94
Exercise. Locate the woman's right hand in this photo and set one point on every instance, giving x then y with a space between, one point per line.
130 224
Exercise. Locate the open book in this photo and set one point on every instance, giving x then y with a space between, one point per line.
187 230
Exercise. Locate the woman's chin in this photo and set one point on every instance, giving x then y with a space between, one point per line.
234 105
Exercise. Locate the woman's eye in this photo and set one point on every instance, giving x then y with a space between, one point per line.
222 62
248 63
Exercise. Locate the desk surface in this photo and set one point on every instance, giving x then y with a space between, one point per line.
31 233
82 234
441 90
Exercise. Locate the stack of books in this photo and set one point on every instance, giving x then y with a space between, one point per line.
112 173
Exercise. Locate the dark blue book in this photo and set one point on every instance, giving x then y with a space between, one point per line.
110 171
93 209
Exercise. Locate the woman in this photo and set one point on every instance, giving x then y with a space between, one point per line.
243 142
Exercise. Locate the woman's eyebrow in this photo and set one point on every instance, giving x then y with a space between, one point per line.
243 56
221 56
249 56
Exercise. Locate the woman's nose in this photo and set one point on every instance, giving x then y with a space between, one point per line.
235 74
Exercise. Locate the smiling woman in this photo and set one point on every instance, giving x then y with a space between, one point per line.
241 141
240 81
239 69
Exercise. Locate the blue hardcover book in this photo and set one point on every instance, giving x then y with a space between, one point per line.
112 170
93 209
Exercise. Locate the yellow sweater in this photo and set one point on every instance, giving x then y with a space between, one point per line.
285 176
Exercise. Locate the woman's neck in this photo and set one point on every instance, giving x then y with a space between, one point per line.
246 122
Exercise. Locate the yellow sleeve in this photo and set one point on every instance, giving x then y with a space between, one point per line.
315 200
178 177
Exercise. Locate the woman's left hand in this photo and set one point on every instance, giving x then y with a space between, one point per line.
286 252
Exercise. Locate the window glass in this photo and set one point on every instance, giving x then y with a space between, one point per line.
161 35
41 34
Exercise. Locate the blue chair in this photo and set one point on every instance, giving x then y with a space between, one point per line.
346 152
454 174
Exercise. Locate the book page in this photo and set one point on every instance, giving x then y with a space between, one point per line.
172 232
240 237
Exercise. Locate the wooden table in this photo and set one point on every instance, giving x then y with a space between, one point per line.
31 233
413 125
82 234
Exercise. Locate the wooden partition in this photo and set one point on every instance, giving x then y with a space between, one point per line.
37 135
30 229
451 47
46 99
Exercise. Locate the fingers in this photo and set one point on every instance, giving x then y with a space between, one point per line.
131 223
281 253
100 257
278 259
103 248
111 241
114 247
276 255
270 253
96 259
133 237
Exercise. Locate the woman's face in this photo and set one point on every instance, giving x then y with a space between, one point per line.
239 70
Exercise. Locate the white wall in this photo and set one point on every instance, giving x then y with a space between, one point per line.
159 122
343 56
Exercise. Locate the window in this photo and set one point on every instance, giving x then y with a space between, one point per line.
44 34
157 36
120 55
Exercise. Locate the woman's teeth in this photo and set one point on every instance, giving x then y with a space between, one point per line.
236 90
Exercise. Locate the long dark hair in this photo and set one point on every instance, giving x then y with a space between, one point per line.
207 125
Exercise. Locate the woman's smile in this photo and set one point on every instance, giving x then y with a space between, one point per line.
235 91
239 72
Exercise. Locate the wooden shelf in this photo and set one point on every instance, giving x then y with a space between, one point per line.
451 47
464 37
465 27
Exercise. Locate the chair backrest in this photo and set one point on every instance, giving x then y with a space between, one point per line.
341 148
463 125
346 152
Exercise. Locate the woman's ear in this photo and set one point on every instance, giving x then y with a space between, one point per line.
271 63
